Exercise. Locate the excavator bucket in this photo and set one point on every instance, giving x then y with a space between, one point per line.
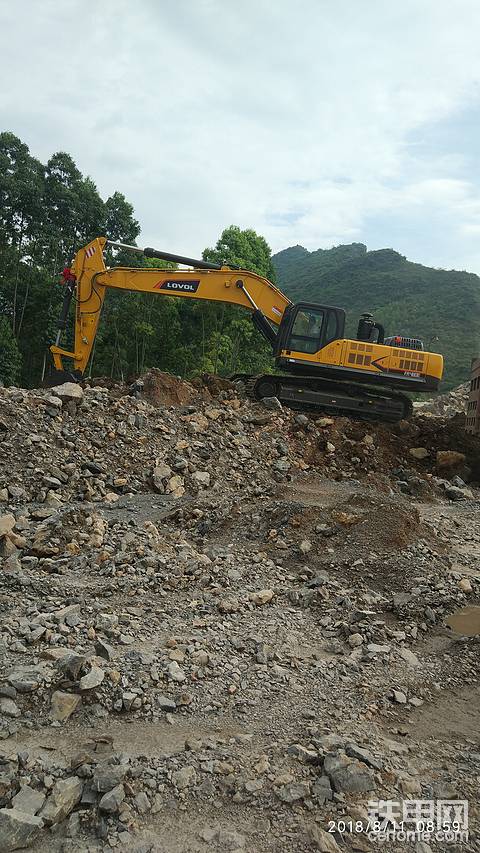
58 377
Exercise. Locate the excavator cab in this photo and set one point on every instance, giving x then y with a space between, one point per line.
308 327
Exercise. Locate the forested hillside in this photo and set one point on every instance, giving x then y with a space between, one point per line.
407 298
47 211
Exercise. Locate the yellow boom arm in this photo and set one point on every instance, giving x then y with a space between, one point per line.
90 278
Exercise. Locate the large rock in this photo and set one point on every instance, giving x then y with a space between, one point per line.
160 474
64 704
184 777
457 494
272 403
293 791
111 801
64 797
322 840
68 392
108 776
353 750
69 615
103 649
419 453
7 523
26 680
165 703
263 596
71 664
409 657
175 672
28 800
9 708
93 678
449 459
202 478
18 829
347 774
322 790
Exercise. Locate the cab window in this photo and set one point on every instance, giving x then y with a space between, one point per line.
307 330
331 332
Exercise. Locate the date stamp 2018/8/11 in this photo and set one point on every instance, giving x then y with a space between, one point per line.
410 820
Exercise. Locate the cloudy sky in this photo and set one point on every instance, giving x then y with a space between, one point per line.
315 122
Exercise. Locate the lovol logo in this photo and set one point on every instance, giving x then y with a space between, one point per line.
178 286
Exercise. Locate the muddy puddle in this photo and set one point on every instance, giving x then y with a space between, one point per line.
465 621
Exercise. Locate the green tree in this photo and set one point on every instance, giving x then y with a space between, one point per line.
246 248
46 214
247 351
10 358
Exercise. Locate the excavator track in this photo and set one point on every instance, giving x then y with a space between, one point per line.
324 395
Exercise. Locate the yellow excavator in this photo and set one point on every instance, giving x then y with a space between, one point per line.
319 367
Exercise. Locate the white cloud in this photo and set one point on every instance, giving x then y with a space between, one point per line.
293 119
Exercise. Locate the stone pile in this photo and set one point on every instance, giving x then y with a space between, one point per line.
222 622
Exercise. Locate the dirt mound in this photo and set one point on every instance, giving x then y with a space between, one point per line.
164 389
214 384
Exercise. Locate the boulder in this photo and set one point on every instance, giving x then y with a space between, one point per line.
322 790
202 478
184 777
108 776
272 403
7 523
293 791
322 840
26 680
419 453
63 705
9 708
449 459
261 597
65 795
409 657
18 829
348 774
92 679
457 494
68 392
111 801
28 800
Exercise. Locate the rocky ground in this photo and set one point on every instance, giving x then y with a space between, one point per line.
225 626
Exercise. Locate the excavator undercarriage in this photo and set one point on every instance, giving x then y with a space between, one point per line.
306 393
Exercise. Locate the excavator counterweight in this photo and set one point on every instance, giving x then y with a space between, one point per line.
319 367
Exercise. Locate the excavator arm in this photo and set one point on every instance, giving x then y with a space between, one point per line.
88 280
